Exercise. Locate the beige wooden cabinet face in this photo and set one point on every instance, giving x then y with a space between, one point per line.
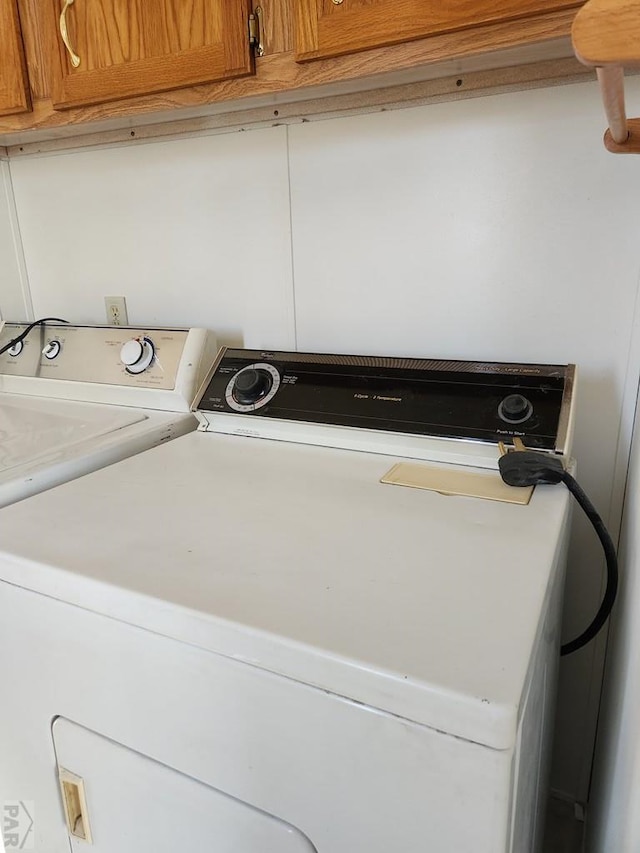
327 28
14 93
128 48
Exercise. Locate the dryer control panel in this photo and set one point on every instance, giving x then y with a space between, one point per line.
248 391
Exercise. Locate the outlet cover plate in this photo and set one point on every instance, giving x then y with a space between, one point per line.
116 308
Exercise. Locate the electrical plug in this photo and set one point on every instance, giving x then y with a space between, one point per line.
522 467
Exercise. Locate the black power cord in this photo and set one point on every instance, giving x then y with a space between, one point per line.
31 326
529 468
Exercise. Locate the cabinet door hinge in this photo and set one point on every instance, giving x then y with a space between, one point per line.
255 31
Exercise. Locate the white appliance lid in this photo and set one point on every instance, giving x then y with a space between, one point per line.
34 428
297 560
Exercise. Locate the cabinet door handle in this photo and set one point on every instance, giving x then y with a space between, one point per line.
64 32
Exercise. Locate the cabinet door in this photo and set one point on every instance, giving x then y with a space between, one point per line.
14 92
126 48
332 27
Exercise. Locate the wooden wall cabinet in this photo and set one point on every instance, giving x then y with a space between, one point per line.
14 89
124 49
123 60
327 28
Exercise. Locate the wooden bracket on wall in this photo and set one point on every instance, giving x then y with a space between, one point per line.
606 35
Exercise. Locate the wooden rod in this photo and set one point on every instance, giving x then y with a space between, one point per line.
611 79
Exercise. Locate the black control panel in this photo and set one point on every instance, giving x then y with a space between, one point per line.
480 401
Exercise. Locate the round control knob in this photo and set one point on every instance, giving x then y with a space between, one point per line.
137 354
16 349
515 409
52 349
251 385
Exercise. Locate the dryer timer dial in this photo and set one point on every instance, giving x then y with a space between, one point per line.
252 387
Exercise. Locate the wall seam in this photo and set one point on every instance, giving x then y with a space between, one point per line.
16 235
294 313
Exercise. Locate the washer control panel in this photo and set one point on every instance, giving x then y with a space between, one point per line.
477 401
113 355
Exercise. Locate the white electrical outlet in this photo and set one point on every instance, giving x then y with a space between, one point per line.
116 310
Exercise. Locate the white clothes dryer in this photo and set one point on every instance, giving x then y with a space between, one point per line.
244 640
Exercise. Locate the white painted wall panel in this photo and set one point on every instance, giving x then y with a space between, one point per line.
497 228
191 231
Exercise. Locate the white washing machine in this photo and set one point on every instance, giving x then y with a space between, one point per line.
245 641
76 398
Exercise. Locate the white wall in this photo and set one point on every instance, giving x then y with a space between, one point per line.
186 230
496 228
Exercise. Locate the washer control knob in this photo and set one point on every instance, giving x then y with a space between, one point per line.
251 385
137 354
52 349
16 349
515 409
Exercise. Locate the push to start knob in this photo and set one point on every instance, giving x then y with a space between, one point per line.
251 385
515 409
137 354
